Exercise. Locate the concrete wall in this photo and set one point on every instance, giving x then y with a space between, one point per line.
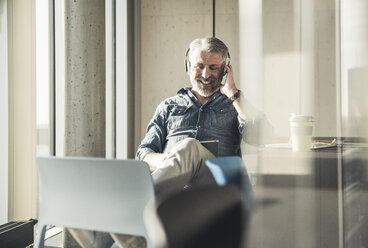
85 78
167 28
227 29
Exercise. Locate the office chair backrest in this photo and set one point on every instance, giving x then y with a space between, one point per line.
95 194
209 216
231 170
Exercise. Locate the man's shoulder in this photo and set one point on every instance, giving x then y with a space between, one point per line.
180 98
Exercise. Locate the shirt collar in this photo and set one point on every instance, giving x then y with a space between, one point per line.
186 92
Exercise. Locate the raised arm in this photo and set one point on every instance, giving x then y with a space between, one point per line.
153 143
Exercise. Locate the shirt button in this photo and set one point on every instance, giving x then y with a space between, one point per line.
199 126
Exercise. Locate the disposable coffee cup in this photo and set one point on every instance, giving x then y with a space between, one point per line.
301 129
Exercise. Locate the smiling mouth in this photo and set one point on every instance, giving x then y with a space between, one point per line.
205 82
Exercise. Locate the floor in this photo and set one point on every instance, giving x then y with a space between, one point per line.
54 238
55 241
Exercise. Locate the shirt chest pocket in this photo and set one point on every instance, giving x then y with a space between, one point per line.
222 117
179 117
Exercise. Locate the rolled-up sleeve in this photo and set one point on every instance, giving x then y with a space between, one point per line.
155 138
241 126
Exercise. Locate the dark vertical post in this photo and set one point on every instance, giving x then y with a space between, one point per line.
214 18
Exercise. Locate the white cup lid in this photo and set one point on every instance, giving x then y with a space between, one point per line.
301 118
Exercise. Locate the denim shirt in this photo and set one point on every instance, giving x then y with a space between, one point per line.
182 116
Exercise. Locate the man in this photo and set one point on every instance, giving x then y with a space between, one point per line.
209 110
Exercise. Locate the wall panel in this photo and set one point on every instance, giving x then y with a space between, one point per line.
227 30
3 112
22 111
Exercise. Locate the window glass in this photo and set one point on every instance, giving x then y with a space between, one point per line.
44 78
306 58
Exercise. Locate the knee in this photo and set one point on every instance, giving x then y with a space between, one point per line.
187 144
192 142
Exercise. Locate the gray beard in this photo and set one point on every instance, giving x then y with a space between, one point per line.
206 91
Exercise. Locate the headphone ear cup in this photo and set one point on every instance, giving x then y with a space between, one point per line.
186 62
227 63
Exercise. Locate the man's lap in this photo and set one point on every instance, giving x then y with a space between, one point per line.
184 165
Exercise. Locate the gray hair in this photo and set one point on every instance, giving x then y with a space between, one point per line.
209 44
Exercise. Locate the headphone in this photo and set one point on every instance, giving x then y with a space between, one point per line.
186 62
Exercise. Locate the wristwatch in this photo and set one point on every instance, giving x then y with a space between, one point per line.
235 96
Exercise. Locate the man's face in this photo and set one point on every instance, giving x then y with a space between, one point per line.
205 71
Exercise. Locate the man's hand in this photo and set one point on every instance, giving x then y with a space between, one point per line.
154 160
229 87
